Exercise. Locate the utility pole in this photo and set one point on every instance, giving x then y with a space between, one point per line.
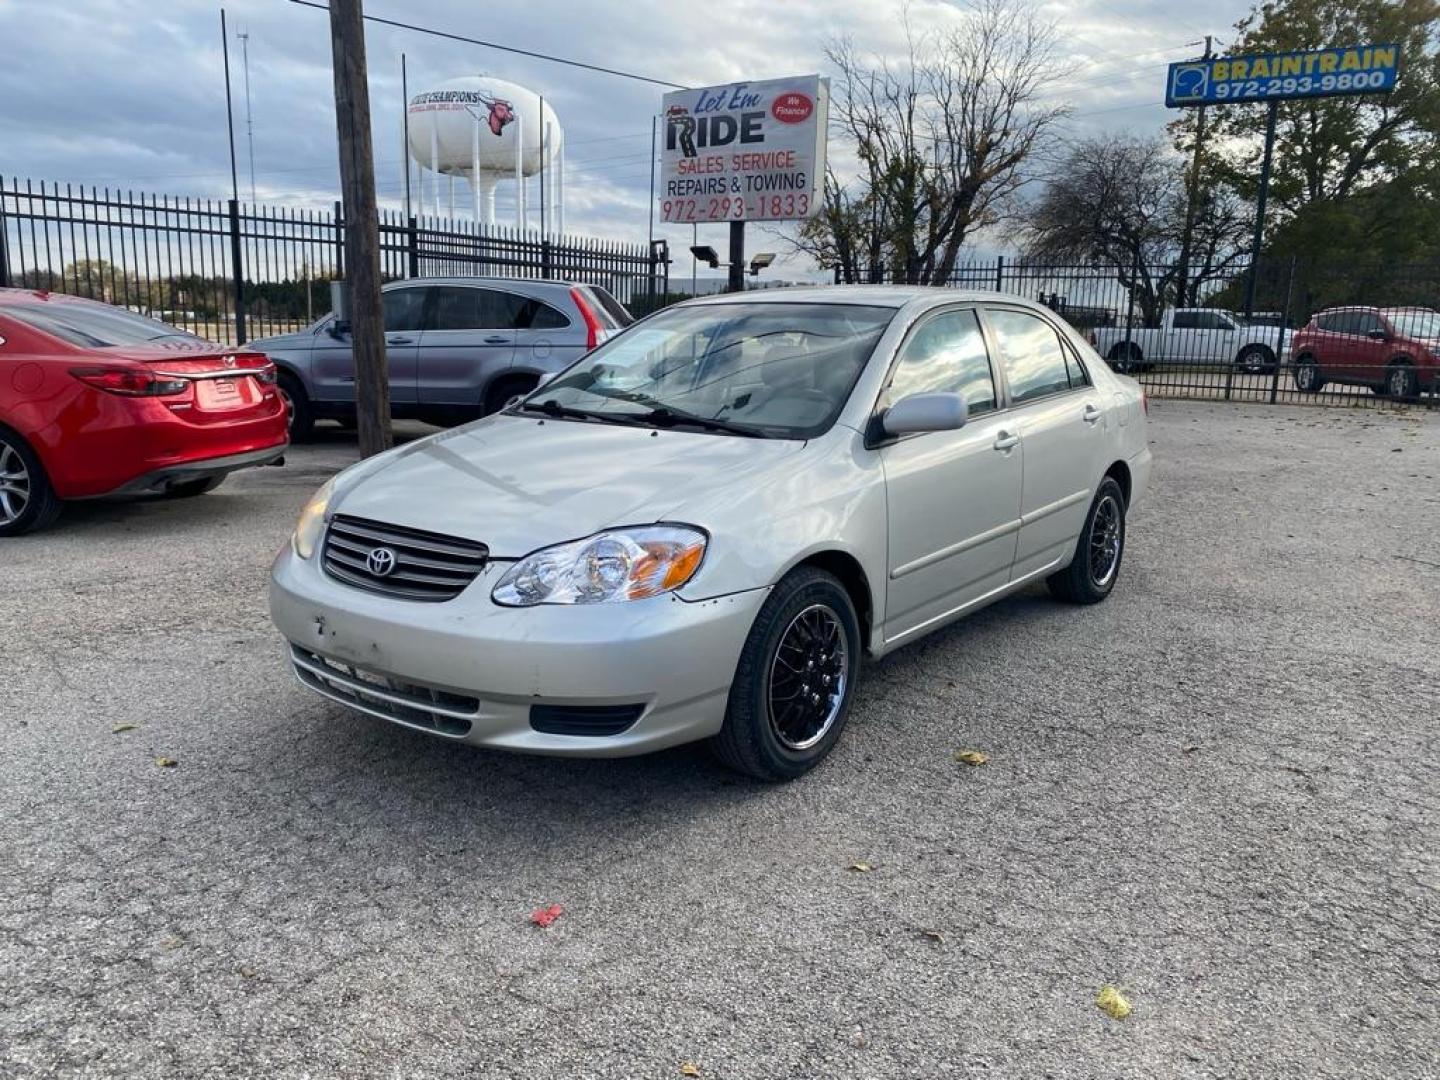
249 117
1187 236
362 226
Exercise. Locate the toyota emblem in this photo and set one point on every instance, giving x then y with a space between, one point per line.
381 561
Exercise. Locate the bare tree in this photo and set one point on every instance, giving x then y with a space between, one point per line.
1120 201
942 140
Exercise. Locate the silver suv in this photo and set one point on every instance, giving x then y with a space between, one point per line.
458 348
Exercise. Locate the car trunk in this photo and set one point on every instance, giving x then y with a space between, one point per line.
225 384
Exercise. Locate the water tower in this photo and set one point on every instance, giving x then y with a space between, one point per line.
488 130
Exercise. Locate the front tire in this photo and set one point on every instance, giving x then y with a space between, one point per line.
299 414
795 680
1307 376
506 392
27 501
1401 382
1093 571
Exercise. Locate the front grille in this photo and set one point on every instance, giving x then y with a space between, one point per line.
380 695
591 720
425 565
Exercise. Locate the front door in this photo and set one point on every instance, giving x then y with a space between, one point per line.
953 496
332 363
1061 421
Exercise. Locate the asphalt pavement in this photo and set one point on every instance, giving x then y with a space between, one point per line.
1219 791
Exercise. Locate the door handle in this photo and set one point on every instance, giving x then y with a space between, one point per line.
1091 414
1005 441
497 341
399 341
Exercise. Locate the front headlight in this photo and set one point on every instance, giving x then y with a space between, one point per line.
620 564
312 521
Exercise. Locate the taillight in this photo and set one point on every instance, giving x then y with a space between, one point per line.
129 382
593 329
257 366
1145 402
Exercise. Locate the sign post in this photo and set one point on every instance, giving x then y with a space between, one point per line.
1273 78
748 151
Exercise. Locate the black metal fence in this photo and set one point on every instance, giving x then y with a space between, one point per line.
231 272
1207 349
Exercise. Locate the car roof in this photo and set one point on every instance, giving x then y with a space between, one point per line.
16 297
891 296
486 282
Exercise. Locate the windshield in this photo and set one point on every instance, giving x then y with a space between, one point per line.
92 326
1415 322
776 369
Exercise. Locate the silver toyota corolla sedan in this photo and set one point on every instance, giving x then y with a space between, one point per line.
699 529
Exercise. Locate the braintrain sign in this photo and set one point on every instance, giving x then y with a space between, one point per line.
1361 69
751 151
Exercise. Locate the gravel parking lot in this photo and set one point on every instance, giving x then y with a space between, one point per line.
1219 791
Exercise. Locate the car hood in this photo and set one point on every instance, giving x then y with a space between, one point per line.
517 484
280 342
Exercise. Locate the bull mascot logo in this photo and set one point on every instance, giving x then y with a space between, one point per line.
499 112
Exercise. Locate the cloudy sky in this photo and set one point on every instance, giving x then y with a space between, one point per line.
131 94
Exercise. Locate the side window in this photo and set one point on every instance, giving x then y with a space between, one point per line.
460 307
1030 353
536 315
1366 321
1325 321
1345 322
1078 375
403 308
1185 320
946 354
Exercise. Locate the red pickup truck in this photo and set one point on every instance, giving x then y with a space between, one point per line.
1393 350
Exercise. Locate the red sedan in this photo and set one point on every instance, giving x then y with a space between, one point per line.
95 400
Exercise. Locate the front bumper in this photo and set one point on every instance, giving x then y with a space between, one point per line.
471 670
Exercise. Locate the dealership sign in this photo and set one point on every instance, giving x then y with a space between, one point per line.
1361 69
751 151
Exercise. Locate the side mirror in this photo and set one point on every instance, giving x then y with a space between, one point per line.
925 412
1377 335
338 329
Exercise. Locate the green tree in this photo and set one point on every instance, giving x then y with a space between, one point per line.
1342 163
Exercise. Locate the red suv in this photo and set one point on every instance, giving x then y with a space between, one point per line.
95 400
1395 351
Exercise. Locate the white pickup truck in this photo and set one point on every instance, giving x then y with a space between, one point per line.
1193 336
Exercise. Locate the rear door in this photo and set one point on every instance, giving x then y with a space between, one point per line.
1356 356
332 360
1061 420
469 338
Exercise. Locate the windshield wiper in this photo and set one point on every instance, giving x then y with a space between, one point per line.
664 416
551 407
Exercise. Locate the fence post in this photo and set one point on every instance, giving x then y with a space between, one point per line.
237 272
1130 310
339 243
4 244
1000 273
545 256
1280 344
412 248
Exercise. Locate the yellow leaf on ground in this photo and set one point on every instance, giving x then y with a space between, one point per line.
1113 1003
166 762
933 935
972 757
861 867
689 1069
121 728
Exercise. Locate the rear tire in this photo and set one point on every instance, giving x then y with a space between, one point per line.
297 407
1126 358
796 678
1256 360
191 488
27 501
1401 382
1093 571
507 390
1307 376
